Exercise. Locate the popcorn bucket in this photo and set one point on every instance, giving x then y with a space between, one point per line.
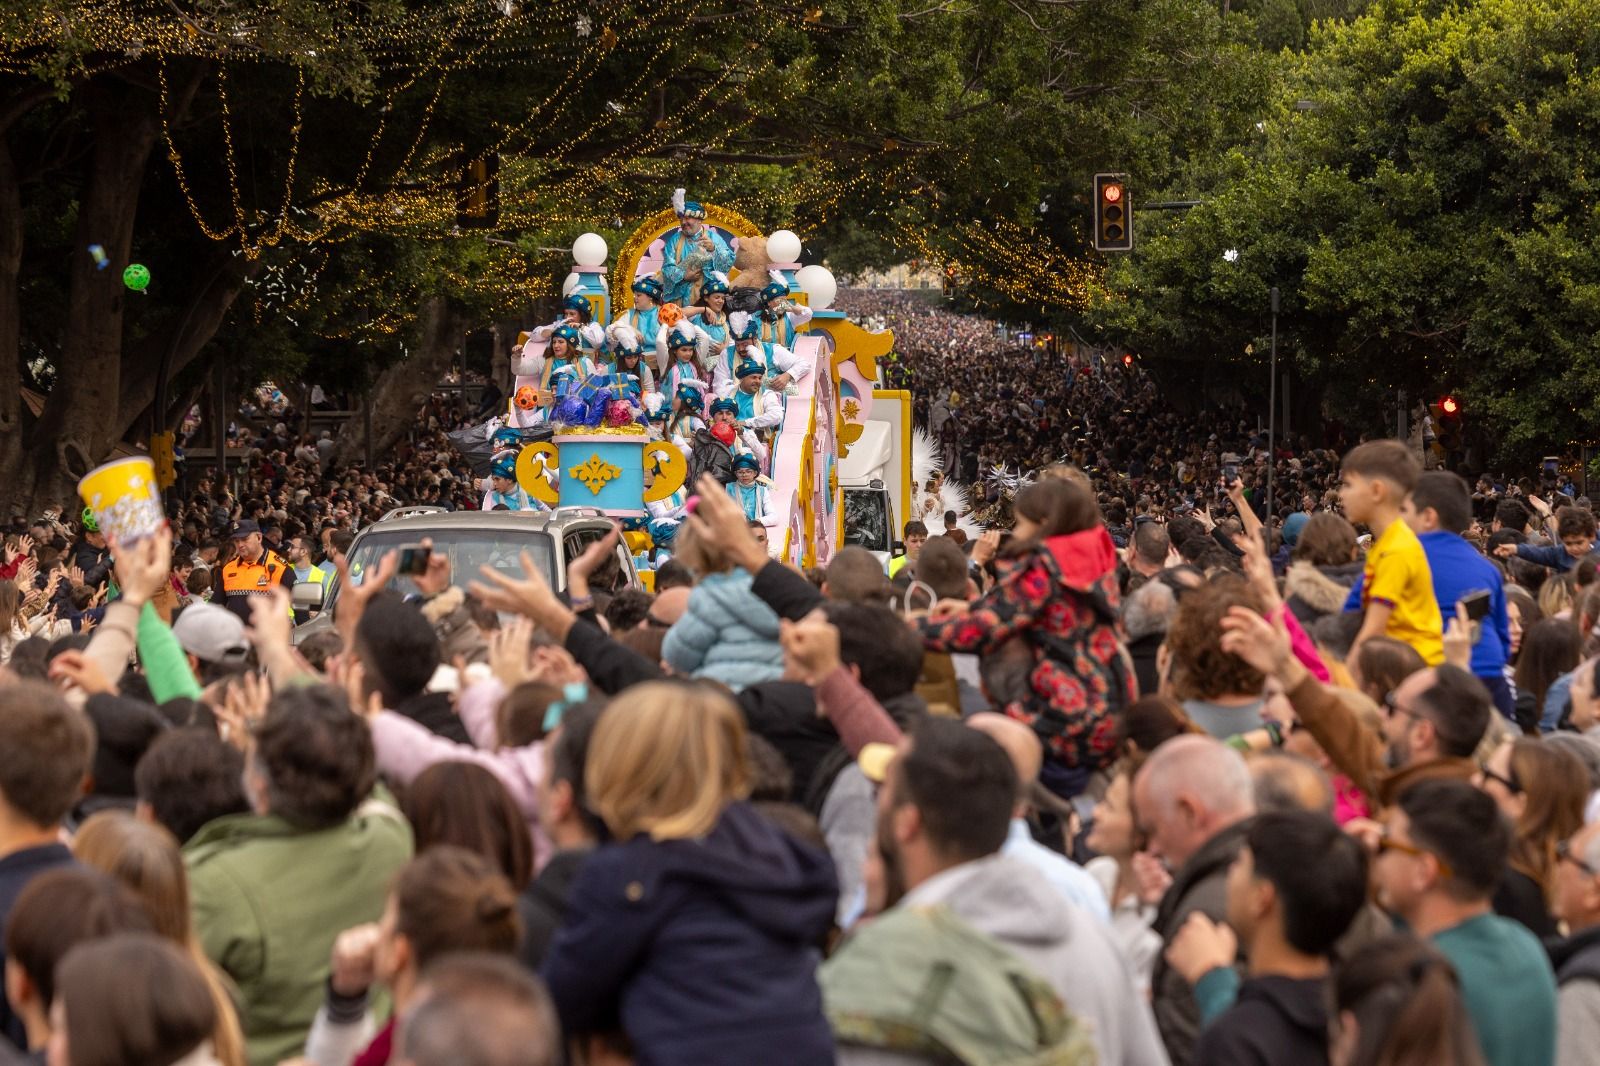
124 498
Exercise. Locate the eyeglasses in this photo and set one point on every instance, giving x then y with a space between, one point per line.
1564 851
1389 843
1392 705
1509 781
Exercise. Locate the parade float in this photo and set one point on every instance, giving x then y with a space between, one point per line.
839 469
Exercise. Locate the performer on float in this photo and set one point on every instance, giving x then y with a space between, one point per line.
563 356
678 352
725 412
689 252
688 404
711 316
748 490
577 313
644 318
783 367
504 494
664 516
781 318
758 408
631 361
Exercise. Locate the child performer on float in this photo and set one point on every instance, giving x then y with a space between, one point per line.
781 319
664 516
644 318
690 252
688 404
504 493
577 313
678 354
748 490
781 366
630 358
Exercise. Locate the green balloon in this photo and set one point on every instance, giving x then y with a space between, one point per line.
136 276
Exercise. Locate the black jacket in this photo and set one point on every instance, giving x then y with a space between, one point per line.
543 904
1274 1020
1201 885
94 562
1576 957
433 711
783 712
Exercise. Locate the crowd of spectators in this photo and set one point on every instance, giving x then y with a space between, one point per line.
1202 796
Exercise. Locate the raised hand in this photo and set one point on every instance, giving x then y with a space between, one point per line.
810 648
143 568
437 577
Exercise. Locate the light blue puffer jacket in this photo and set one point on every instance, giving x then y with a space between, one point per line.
726 634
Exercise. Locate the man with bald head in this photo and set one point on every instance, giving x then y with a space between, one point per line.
1022 747
1192 799
668 607
1284 781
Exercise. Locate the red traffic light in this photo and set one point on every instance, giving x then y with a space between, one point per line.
1127 359
1112 193
1449 406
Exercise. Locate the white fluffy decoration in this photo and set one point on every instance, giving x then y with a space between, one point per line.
925 463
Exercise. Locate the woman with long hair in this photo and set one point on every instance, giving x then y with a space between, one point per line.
1542 789
1550 650
696 927
1115 836
463 804
1058 590
1397 1003
145 858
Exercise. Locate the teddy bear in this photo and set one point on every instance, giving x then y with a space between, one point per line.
750 266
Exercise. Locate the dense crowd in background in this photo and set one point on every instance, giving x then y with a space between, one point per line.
1138 778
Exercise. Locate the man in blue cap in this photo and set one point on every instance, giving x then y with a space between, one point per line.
757 408
690 252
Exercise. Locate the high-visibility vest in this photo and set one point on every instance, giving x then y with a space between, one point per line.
240 578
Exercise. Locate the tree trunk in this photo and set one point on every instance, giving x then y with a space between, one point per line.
79 424
11 441
400 391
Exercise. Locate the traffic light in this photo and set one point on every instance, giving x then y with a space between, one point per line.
1127 360
164 458
1448 406
1447 424
478 196
1113 213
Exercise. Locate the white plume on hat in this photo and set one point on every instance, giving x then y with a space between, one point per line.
678 199
777 278
720 276
737 321
624 335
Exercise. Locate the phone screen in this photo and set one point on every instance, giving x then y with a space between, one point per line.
414 559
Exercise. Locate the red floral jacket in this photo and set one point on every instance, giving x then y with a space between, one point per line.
1063 599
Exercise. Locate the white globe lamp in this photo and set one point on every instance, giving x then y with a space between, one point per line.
783 247
818 284
590 250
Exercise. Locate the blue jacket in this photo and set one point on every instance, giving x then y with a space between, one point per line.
1458 569
703 951
726 634
1555 556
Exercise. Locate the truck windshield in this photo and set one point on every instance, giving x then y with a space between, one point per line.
468 549
866 519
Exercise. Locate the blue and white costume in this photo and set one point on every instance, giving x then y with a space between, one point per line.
683 255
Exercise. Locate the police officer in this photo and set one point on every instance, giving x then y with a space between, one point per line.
252 571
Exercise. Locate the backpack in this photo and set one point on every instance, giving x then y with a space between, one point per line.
709 456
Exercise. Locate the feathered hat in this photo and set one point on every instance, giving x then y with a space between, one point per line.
568 334
715 283
748 368
626 340
691 394
680 338
775 288
651 287
686 208
743 326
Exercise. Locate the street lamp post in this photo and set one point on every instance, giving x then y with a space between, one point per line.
1272 416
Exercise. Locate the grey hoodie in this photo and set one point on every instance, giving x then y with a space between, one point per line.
1010 901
